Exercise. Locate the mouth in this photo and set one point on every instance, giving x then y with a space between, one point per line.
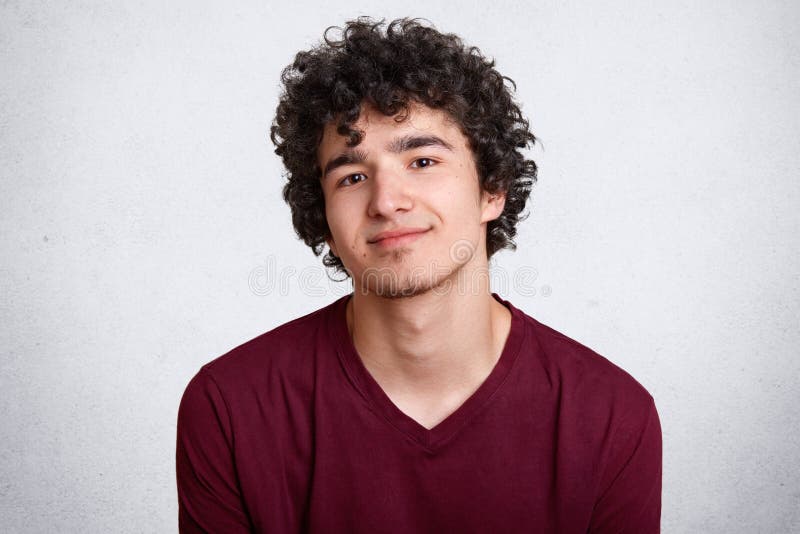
395 238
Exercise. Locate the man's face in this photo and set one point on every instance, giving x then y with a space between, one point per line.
404 207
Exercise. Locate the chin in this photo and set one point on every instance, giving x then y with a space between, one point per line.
387 282
403 291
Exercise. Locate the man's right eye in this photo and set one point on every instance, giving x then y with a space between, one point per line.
351 179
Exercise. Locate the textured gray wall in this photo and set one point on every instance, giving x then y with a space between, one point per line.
143 232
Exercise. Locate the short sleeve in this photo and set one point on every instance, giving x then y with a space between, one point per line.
631 498
209 498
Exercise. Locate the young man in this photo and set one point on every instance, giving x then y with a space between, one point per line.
422 402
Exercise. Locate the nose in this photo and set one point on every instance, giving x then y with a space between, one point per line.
389 194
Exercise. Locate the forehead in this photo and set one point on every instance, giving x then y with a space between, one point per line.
377 129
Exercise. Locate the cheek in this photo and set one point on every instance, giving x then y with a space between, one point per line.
336 215
459 202
343 225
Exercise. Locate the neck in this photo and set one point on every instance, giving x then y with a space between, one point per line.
437 342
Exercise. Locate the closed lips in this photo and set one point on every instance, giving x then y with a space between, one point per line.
397 233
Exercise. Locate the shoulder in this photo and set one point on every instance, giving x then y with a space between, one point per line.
602 411
582 361
285 353
583 378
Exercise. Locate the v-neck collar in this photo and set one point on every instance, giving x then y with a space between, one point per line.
380 402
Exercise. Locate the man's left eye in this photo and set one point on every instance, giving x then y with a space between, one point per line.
423 162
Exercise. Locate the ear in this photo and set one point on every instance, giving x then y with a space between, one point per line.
492 205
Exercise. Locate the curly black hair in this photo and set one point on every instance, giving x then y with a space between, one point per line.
389 67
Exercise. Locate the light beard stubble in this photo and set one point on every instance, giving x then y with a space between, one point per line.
411 285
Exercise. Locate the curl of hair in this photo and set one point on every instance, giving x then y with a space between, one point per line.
389 67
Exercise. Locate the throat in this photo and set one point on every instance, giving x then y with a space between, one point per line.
430 365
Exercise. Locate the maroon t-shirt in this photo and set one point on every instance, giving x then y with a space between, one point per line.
290 433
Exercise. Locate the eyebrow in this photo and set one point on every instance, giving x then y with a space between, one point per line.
351 156
399 145
410 142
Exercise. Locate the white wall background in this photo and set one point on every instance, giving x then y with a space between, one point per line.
139 193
